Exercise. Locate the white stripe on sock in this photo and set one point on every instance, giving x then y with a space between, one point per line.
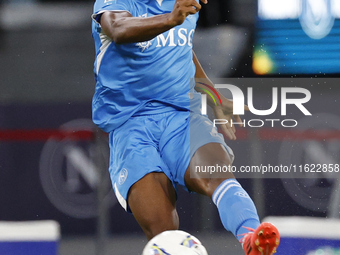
224 191
219 189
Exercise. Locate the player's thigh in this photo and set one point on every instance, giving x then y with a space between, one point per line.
209 155
208 150
152 201
134 154
194 141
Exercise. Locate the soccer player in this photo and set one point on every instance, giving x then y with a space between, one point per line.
146 100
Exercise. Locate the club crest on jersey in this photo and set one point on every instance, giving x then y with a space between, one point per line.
144 45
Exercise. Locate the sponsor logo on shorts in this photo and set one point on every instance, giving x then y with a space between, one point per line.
122 176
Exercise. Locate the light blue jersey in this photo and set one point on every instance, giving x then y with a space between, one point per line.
145 92
141 78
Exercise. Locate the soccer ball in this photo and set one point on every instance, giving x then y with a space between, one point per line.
174 242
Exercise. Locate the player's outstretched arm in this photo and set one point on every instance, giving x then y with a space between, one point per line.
122 27
221 111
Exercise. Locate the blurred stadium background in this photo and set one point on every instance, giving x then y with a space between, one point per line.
53 160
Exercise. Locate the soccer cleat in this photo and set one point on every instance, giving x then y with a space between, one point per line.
262 241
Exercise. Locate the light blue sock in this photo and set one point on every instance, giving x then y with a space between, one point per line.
235 207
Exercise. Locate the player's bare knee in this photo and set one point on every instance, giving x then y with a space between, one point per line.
204 186
211 184
201 184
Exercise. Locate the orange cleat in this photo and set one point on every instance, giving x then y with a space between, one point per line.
262 241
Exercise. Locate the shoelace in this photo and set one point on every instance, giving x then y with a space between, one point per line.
251 230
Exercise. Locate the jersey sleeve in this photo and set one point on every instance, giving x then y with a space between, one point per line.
101 6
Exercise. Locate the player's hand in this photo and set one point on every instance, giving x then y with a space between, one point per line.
225 112
184 8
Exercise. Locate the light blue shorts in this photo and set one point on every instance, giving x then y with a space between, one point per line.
157 143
